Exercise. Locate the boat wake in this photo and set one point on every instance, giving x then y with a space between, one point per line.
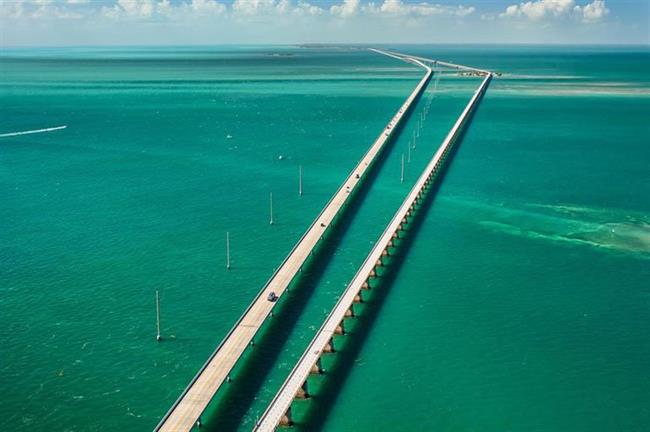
34 131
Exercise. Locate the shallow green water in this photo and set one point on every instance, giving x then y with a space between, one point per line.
522 302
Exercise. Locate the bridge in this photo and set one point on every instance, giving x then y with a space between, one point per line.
186 411
296 384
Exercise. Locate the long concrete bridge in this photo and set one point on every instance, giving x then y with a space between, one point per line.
186 411
296 384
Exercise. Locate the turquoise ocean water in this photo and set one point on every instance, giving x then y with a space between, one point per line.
520 302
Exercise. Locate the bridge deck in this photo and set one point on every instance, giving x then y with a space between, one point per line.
285 396
187 409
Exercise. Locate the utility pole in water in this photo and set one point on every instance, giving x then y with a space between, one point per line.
227 250
158 336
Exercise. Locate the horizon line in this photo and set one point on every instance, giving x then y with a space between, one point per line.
337 44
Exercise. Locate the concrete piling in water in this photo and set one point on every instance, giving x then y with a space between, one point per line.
317 368
329 347
286 419
303 392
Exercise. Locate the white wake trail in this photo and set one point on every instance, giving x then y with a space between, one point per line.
10 134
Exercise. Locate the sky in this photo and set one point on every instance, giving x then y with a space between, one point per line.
214 22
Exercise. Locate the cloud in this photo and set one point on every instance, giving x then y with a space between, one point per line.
162 10
158 10
240 10
130 8
11 10
540 9
545 9
397 7
304 8
593 12
270 8
253 7
36 9
299 15
346 9
207 6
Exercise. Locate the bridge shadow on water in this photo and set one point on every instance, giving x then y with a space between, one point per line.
231 404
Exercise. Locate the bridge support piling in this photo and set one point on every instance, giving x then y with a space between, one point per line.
286 419
317 368
303 392
329 347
